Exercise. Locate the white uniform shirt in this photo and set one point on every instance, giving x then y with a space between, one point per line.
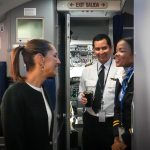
89 79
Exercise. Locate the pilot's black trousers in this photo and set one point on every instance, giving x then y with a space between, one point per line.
97 135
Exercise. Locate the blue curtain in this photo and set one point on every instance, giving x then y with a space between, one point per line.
117 28
3 79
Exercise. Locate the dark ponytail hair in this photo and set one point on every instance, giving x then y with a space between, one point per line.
28 52
16 64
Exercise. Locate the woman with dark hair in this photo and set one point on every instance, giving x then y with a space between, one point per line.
124 57
27 114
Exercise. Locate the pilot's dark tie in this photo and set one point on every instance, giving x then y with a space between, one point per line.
99 90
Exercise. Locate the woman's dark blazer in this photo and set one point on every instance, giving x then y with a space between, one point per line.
126 111
24 119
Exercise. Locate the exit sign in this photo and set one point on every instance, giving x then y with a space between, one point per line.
87 5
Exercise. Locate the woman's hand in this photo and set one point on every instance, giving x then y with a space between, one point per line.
118 145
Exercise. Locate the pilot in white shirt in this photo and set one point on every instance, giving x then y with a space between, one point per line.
89 79
97 127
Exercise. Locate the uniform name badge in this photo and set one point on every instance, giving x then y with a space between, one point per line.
102 116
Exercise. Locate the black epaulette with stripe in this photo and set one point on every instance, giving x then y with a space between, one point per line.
89 64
